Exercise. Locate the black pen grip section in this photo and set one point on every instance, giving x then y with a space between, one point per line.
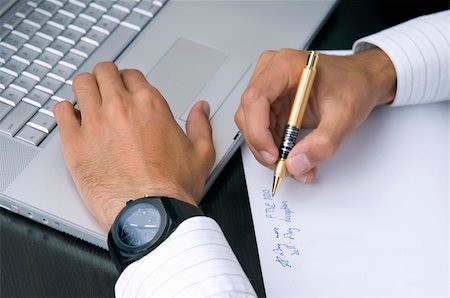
289 138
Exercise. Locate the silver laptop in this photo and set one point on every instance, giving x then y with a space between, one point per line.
189 50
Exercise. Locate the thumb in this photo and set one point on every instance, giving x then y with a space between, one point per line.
317 146
198 130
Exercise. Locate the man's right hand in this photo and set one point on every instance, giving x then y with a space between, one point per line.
345 91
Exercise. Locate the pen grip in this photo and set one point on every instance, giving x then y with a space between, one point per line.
289 138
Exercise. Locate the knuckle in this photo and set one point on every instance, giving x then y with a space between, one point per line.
249 95
238 118
328 144
81 77
285 53
265 55
104 66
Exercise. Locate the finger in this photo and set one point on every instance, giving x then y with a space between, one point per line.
68 120
307 177
315 148
133 80
109 81
87 94
270 85
263 60
198 130
256 121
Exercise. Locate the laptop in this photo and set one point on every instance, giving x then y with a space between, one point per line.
189 50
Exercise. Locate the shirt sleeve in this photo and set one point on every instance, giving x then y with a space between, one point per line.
420 52
196 261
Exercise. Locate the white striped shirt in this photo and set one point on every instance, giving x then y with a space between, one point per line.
420 52
197 261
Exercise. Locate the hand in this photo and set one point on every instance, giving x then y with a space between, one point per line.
124 143
345 91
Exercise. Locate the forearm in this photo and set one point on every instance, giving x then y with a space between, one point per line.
196 260
419 51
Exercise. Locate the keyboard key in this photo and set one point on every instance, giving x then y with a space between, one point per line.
83 49
92 14
72 10
70 36
49 32
26 29
135 21
48 107
34 3
12 22
17 118
13 67
31 135
5 54
49 85
36 71
5 80
4 32
37 98
37 19
13 42
24 11
115 43
4 109
27 54
115 15
62 20
61 72
23 84
65 93
82 3
82 25
59 47
42 122
147 8
125 5
11 96
48 59
106 26
72 61
96 37
37 43
48 8
106 4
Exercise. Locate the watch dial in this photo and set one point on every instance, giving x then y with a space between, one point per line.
140 225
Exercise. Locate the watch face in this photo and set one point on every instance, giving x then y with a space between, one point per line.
139 225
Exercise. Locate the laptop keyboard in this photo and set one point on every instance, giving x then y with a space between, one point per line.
46 42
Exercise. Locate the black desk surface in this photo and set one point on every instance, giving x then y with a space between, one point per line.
37 261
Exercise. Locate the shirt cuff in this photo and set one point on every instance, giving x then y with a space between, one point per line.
195 260
419 51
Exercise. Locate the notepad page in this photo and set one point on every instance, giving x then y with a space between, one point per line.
375 221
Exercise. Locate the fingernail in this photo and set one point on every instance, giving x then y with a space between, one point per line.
206 108
299 164
303 178
268 158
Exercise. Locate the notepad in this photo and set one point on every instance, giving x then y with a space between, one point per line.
373 224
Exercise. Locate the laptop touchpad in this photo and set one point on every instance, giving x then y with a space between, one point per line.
188 71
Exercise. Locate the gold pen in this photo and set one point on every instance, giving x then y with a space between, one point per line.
295 118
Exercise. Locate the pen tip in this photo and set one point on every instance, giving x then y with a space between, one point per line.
276 183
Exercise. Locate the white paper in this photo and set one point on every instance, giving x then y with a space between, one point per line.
375 221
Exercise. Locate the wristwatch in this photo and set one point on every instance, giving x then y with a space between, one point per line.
143 225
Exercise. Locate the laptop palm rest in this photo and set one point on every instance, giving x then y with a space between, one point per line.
216 74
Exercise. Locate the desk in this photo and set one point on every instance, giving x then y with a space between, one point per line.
38 261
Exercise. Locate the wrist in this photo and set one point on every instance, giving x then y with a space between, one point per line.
107 213
380 73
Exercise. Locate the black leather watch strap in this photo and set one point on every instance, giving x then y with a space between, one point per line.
179 210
